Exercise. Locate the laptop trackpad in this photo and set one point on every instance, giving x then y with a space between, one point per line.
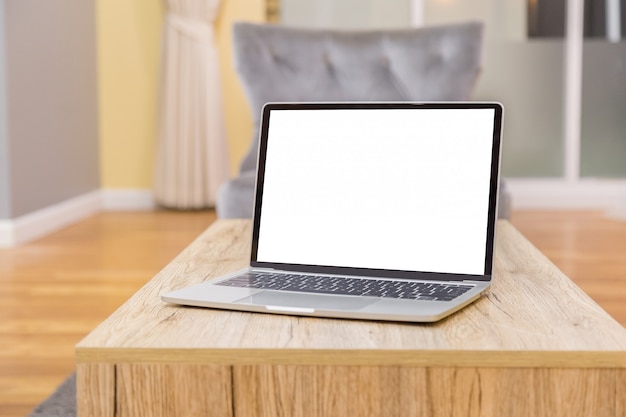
324 302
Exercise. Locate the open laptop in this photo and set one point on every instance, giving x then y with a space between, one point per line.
382 211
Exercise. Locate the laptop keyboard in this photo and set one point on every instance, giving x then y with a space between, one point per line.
348 286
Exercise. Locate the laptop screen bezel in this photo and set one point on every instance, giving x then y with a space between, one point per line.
382 273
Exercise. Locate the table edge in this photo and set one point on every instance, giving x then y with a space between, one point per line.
420 358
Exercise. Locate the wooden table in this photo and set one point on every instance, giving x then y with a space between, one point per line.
535 345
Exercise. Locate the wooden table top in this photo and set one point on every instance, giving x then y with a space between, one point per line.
532 316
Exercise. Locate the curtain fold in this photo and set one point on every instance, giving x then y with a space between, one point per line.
192 157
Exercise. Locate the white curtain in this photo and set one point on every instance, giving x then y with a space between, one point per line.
192 157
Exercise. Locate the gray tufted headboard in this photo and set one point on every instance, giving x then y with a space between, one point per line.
277 63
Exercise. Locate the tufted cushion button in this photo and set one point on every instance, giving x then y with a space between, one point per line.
273 54
326 59
438 57
384 60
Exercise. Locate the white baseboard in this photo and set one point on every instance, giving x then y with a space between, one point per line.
127 200
540 194
7 238
42 222
47 220
585 194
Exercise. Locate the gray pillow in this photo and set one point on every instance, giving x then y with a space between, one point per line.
277 63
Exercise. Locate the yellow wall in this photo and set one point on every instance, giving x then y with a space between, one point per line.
238 120
128 34
128 42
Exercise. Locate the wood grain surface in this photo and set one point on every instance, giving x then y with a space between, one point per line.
532 316
271 391
534 345
167 390
98 389
55 290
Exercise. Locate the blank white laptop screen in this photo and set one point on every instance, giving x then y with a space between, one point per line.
396 189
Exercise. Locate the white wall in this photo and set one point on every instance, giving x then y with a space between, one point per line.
346 14
4 143
504 19
49 138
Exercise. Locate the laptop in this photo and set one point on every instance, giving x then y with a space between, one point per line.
378 211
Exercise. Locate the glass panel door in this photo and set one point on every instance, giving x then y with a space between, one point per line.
603 128
523 70
523 63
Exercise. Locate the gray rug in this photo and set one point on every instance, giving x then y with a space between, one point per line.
61 403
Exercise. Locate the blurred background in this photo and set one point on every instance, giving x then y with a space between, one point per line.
80 110
79 93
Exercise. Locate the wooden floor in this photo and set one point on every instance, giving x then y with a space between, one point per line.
588 247
55 290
